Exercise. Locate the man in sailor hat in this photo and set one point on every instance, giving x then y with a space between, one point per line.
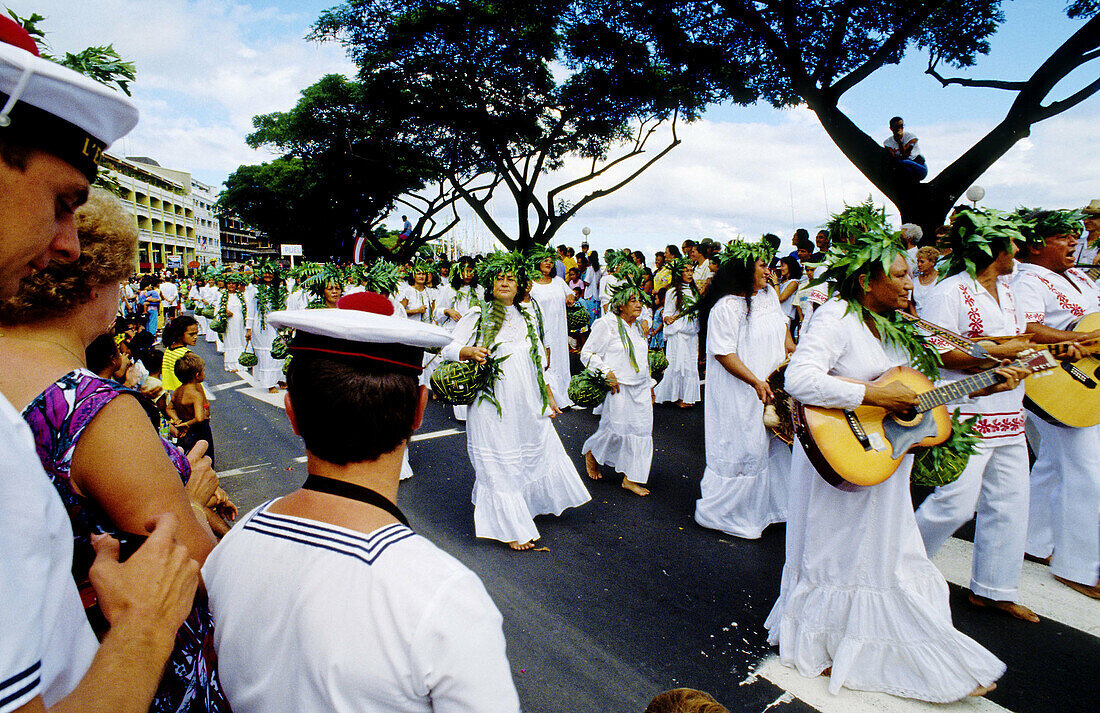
54 126
325 598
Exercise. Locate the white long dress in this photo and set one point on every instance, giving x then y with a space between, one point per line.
744 486
195 295
234 332
624 438
551 299
210 298
858 592
681 379
268 370
521 468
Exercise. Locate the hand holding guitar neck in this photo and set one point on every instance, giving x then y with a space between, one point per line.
895 397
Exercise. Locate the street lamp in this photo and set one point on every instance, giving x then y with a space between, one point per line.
975 194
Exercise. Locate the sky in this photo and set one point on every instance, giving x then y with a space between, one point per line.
206 67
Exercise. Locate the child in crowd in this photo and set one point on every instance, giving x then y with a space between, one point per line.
188 407
189 412
685 700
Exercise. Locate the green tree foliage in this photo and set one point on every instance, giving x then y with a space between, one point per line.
813 51
103 63
512 89
344 168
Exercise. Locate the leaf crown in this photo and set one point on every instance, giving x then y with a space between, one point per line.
1037 224
534 258
630 285
854 220
747 252
499 263
975 233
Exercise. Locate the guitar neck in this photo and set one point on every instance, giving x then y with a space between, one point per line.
956 390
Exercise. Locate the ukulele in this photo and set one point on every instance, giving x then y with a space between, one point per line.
855 448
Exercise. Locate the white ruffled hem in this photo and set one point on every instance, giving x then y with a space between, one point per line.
679 386
742 505
509 516
897 640
630 455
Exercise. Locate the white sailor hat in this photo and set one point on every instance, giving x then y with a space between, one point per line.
362 326
52 108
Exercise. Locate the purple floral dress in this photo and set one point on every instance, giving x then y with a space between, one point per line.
57 419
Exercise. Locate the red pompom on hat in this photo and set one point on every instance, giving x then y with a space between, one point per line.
366 302
12 33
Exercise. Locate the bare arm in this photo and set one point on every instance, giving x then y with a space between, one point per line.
136 483
733 364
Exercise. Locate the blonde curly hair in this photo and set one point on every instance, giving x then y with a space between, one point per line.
108 249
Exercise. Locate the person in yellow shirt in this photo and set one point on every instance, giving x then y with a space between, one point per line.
179 336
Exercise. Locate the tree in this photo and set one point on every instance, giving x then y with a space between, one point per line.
512 89
813 51
342 171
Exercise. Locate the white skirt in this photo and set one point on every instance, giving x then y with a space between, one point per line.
860 595
681 379
624 439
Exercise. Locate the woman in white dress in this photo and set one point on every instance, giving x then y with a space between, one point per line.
787 283
553 296
268 296
744 487
217 292
521 468
235 337
195 295
419 301
618 349
681 380
860 601
926 275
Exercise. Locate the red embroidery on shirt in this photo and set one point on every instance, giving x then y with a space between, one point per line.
1063 301
976 326
999 425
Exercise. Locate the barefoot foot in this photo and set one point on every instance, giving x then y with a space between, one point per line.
982 690
1011 608
524 546
273 390
634 488
1089 591
591 466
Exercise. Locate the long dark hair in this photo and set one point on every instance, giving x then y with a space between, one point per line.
456 272
174 331
678 288
734 277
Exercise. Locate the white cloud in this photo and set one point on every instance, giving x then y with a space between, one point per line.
205 68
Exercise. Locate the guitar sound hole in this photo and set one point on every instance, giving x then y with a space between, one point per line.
908 418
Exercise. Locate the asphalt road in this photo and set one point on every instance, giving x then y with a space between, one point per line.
631 596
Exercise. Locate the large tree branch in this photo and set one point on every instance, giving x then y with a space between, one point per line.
478 205
675 141
892 44
834 45
640 140
787 56
965 82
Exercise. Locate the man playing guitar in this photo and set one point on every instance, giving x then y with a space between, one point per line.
860 599
1065 480
975 301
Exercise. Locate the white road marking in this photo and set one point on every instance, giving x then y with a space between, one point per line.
815 692
264 395
223 474
1039 591
209 393
229 385
436 434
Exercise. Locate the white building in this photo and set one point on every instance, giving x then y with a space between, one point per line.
174 213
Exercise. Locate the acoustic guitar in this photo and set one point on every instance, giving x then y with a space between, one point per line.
1070 395
857 448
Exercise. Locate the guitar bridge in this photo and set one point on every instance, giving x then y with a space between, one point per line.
1078 375
857 429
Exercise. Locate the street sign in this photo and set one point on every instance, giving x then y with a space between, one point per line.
291 250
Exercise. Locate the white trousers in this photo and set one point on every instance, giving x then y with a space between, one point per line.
994 485
1065 501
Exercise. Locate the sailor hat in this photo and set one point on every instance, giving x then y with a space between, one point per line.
363 325
52 108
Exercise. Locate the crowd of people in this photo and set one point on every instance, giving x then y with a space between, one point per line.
326 599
